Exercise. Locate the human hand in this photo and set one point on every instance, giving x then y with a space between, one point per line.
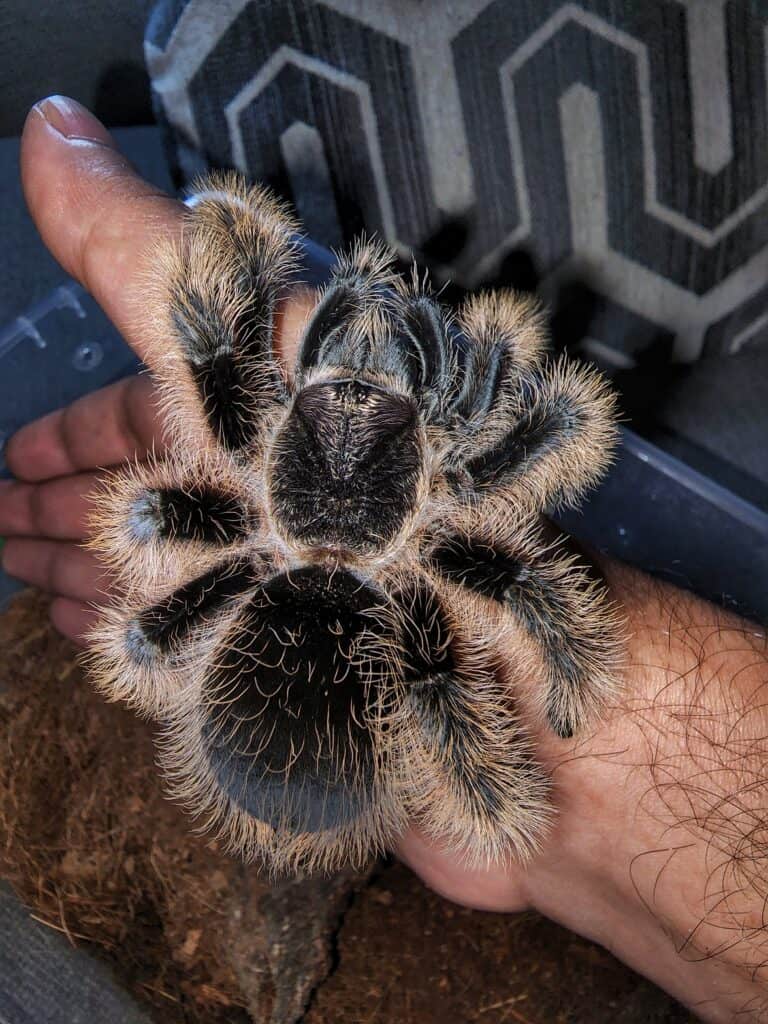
100 220
658 806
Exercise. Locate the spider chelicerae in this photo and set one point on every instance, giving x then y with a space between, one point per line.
334 582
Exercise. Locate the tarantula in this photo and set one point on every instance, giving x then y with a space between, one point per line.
333 581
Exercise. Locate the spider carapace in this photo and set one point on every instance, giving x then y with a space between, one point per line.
335 582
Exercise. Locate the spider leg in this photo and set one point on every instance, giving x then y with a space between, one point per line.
426 334
505 335
164 627
353 320
197 512
147 654
431 363
560 442
467 755
223 283
559 603
160 522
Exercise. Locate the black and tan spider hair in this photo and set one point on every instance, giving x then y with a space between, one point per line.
334 580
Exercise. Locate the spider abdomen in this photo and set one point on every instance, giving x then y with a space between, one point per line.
287 710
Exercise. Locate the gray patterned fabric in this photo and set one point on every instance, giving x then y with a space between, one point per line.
90 50
618 145
44 981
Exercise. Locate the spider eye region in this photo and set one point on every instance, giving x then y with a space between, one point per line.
346 466
286 724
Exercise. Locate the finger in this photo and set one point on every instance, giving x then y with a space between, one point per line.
95 214
118 422
63 569
101 220
72 618
57 509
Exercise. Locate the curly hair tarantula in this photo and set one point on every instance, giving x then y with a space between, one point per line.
333 583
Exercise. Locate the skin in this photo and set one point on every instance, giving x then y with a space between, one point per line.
658 849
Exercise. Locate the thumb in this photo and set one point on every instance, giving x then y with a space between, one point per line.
93 211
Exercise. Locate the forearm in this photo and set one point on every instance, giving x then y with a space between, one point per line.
659 851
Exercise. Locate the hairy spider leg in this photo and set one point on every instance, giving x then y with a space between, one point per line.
236 257
504 336
148 654
473 779
561 441
197 512
161 522
164 627
561 604
351 323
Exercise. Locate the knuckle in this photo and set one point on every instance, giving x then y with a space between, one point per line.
71 435
38 513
